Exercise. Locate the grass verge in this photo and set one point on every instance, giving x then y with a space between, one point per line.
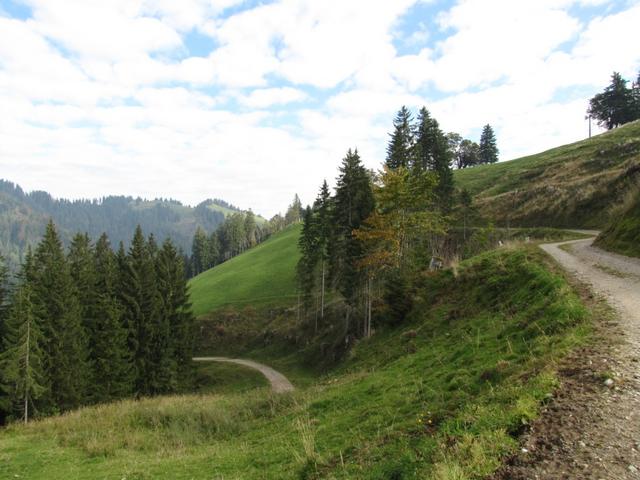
445 395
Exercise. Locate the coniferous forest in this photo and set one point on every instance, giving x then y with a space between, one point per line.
379 229
92 324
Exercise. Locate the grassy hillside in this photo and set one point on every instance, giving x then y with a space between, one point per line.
622 235
574 185
264 275
442 396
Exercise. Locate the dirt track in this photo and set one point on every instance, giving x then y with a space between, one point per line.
591 430
279 383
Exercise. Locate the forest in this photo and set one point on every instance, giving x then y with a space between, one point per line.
91 325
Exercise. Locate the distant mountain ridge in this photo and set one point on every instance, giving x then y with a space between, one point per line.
23 217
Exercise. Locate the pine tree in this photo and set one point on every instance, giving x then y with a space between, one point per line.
352 205
616 105
213 250
82 269
22 376
139 298
488 148
401 142
635 91
308 245
432 154
250 228
294 212
323 221
199 252
56 304
111 357
4 275
431 147
174 338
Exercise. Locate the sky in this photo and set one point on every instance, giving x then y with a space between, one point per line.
253 101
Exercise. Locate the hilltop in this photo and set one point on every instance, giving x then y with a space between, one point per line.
23 217
574 185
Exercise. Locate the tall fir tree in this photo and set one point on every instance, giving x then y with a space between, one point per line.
616 105
352 205
139 298
82 270
308 246
4 277
401 142
56 304
111 356
213 250
432 153
174 344
431 146
294 212
22 376
323 207
488 146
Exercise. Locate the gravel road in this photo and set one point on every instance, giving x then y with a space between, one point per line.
279 383
591 428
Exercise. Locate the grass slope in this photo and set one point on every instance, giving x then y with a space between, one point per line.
442 396
623 233
573 185
264 275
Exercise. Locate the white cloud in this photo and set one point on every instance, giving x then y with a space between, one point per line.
103 97
266 97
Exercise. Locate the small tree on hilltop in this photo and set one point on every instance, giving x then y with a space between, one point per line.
488 146
615 106
399 147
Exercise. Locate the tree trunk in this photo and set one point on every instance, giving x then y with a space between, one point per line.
315 330
369 307
26 377
322 293
465 226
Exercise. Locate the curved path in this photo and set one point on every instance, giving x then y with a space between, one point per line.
279 383
594 432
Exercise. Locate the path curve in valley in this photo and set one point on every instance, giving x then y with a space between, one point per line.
279 383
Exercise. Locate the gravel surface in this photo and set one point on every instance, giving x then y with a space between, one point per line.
591 428
279 383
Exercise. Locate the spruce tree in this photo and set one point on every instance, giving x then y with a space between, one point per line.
213 250
250 229
139 297
401 142
352 205
308 246
22 376
174 339
4 276
432 153
323 222
111 357
616 105
58 313
488 147
431 146
82 269
294 212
